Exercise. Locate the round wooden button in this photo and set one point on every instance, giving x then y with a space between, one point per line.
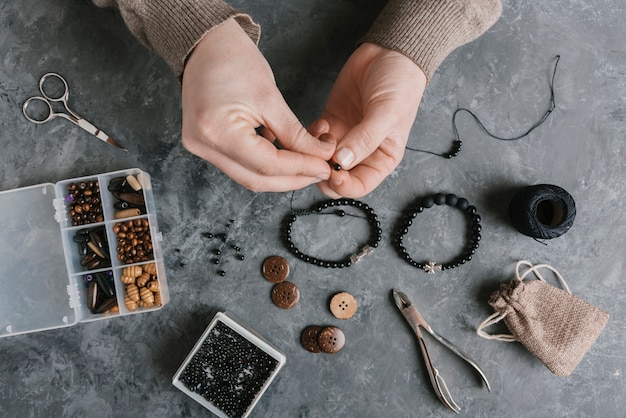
331 340
343 305
285 295
309 338
275 269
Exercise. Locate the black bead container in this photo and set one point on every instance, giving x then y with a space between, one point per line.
229 368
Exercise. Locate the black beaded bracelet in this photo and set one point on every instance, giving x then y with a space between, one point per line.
427 202
372 218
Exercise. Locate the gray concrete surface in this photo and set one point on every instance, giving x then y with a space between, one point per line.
123 366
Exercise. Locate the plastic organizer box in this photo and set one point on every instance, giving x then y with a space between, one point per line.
229 368
47 265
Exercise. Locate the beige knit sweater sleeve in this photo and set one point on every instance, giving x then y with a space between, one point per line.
426 31
172 28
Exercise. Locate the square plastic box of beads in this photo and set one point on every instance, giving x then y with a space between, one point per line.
229 368
79 250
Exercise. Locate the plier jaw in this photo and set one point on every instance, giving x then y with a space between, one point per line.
417 321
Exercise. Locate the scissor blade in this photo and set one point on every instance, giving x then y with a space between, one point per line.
89 127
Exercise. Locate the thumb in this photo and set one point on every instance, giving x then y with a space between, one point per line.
291 134
363 139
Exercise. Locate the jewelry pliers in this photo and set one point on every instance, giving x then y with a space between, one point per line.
416 320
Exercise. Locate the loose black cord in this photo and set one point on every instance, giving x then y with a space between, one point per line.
456 145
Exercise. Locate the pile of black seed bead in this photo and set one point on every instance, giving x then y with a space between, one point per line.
228 370
372 219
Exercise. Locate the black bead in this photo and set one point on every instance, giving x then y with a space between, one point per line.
440 199
341 213
462 204
428 202
476 218
451 200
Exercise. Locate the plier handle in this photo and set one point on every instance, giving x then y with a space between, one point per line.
417 321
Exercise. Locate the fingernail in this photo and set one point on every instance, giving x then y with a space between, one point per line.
323 176
344 157
327 145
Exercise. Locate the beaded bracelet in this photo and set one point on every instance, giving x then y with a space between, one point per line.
427 202
372 218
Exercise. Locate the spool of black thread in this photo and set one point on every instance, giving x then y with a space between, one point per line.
542 211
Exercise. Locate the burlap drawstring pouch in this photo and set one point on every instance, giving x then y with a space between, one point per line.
554 325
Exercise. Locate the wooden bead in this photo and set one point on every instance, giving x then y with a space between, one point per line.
147 296
132 271
128 279
143 280
153 286
132 292
150 268
131 305
157 299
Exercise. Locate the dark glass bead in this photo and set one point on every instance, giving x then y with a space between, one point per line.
476 237
454 154
413 214
301 256
476 218
319 208
374 244
447 155
404 231
360 205
471 209
221 273
408 222
307 259
216 261
440 199
240 256
217 252
451 200
476 228
341 213
428 202
419 209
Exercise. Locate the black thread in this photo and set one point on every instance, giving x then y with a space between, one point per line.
542 211
457 143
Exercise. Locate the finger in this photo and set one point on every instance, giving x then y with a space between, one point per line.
365 177
318 127
238 153
258 182
290 132
265 133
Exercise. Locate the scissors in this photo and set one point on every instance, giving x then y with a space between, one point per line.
416 320
48 99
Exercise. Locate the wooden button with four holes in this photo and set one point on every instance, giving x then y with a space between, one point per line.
331 340
343 305
275 269
285 295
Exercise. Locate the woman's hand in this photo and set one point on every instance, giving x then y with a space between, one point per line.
228 90
370 111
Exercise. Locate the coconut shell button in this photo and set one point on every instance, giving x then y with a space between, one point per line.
275 269
343 305
309 338
331 340
285 295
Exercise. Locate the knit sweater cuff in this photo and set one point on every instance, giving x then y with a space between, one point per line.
172 29
427 31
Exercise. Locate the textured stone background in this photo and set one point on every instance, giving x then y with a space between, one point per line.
124 366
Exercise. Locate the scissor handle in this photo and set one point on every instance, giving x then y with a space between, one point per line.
63 97
51 115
